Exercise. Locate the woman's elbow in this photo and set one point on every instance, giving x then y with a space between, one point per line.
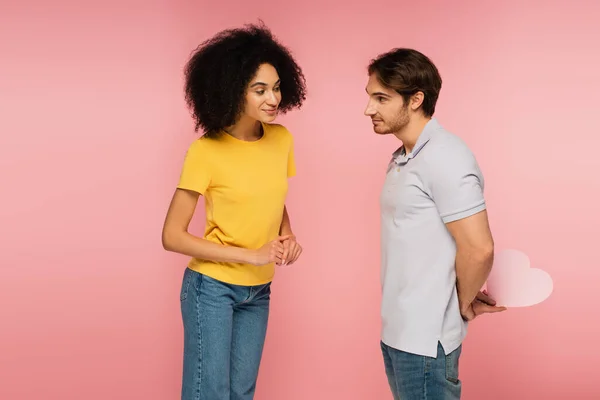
168 241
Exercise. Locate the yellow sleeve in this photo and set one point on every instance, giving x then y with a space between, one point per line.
195 174
291 162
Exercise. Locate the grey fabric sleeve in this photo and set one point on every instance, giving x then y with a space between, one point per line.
455 182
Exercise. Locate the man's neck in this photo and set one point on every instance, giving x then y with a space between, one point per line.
411 132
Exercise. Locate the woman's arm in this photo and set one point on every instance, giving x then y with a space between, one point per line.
291 248
176 238
286 226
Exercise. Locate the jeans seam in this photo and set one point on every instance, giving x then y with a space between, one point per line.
425 375
396 380
449 369
199 322
250 296
388 353
185 285
451 361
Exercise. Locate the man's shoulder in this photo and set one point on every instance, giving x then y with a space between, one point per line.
446 147
446 155
444 139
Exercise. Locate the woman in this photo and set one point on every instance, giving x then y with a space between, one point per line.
236 84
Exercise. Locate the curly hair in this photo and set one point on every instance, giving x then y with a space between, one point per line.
219 70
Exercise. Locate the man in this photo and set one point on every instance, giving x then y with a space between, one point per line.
436 245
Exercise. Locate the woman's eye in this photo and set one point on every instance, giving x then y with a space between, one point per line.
260 92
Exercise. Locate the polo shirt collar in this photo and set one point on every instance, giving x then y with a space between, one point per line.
400 156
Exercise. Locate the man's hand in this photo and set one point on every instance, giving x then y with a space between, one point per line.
482 304
291 250
474 255
485 298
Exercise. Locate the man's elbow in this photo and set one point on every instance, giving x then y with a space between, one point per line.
482 254
485 254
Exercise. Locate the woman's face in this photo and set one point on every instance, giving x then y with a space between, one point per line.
263 94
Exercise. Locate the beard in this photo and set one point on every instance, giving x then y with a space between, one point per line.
387 126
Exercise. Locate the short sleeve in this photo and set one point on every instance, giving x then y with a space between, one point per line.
195 174
291 170
455 183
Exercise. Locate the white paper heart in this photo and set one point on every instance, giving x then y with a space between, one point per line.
512 283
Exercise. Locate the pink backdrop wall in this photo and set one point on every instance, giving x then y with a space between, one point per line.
93 131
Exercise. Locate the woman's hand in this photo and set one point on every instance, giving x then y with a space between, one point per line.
271 252
291 250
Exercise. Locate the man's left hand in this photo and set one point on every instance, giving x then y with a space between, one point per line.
483 304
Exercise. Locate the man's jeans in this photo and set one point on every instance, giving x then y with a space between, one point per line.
414 377
224 332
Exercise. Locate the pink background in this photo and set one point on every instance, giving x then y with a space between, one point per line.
93 132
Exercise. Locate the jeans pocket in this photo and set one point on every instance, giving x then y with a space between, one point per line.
185 285
452 361
266 291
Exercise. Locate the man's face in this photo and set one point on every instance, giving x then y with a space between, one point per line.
386 108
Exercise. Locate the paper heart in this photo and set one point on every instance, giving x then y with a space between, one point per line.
512 283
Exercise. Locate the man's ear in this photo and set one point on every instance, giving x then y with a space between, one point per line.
416 100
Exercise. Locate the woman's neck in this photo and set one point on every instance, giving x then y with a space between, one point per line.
248 129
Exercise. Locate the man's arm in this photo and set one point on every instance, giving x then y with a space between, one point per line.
455 184
474 256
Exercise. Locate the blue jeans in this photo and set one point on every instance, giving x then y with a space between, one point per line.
414 377
224 332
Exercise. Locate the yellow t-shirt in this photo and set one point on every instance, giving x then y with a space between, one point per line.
244 185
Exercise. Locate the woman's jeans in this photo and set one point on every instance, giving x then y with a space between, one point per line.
224 333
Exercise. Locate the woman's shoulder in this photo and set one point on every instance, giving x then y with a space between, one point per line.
201 146
278 130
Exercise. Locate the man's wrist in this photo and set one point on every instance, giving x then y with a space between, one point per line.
468 314
465 307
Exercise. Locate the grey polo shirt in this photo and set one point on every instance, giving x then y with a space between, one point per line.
438 182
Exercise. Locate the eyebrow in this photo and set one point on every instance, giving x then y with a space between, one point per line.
264 84
377 93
